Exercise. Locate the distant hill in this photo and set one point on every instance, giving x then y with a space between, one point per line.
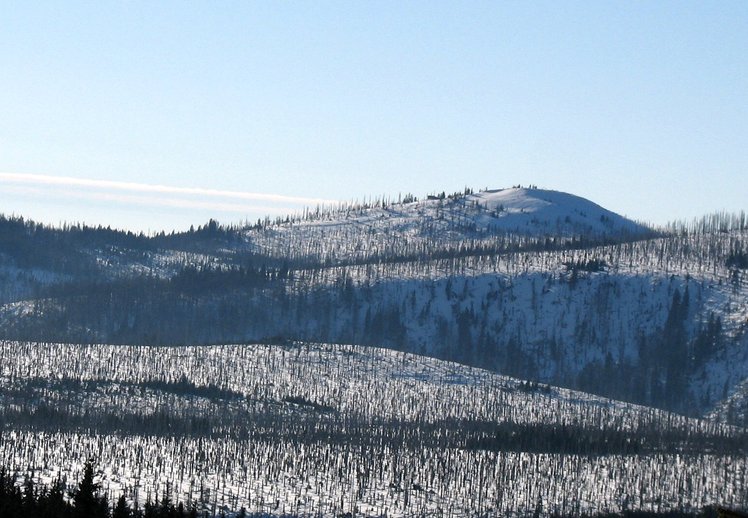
496 220
516 210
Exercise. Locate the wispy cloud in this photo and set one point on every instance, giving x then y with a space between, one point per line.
216 205
163 195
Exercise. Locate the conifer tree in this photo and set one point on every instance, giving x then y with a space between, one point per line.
86 501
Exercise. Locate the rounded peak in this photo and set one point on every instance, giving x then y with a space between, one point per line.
543 211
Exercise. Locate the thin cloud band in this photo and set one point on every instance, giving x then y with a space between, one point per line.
37 179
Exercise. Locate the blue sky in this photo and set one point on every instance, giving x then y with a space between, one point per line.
158 115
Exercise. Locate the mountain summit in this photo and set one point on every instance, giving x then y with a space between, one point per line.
540 211
531 211
497 219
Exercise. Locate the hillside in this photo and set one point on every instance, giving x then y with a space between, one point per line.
307 429
498 219
538 284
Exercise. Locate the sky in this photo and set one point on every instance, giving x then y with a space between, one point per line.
155 116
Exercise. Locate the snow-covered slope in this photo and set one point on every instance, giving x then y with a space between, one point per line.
498 218
529 282
661 320
545 212
532 283
323 430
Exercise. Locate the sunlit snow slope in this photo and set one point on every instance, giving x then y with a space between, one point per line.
427 226
324 430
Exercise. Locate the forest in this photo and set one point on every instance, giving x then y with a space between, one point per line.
306 429
642 320
85 501
356 360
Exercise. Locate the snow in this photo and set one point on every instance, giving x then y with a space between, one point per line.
430 261
489 217
252 459
545 210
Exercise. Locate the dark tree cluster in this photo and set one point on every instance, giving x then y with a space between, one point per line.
84 501
590 265
737 259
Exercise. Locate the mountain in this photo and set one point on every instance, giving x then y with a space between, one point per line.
517 210
441 224
532 283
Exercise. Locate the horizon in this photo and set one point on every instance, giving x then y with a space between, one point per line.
334 206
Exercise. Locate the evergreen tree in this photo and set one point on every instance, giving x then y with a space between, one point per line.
86 501
121 510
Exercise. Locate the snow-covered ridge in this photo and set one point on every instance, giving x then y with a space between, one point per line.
497 218
540 211
522 210
367 382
